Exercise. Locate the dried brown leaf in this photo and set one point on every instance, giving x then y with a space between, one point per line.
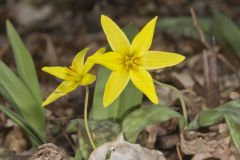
120 149
215 144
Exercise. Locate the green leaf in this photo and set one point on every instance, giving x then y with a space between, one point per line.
130 31
103 131
234 129
129 98
26 127
21 99
229 30
229 111
205 118
183 26
136 121
24 62
209 117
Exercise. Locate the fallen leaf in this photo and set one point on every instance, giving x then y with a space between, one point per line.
214 144
119 149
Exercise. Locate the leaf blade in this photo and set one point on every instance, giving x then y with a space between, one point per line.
21 99
24 62
134 123
229 30
33 135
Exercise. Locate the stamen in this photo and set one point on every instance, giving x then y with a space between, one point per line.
130 62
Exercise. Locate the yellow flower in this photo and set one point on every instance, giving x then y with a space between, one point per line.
73 76
129 61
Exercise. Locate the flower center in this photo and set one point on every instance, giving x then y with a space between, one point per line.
78 78
131 62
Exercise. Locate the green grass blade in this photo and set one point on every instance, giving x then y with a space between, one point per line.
229 30
26 127
129 98
12 88
24 62
141 118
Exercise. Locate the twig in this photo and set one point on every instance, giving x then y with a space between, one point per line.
210 67
201 34
229 65
179 152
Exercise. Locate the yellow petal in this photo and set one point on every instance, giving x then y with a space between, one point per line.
115 85
59 72
156 59
64 88
144 82
115 36
111 60
143 40
78 61
89 64
87 79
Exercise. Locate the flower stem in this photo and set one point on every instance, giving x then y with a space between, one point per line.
180 96
86 118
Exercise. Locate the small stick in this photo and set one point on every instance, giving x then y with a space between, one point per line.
179 152
201 34
230 66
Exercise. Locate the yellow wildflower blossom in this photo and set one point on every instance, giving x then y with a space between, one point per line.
73 76
129 61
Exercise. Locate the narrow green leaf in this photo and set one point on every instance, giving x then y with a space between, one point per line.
129 98
141 118
183 26
229 30
26 127
24 62
21 99
234 130
231 112
232 106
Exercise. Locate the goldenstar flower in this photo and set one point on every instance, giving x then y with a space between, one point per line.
130 61
73 76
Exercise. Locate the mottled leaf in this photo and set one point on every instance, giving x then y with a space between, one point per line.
136 121
102 131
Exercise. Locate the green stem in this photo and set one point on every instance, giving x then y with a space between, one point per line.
86 118
180 96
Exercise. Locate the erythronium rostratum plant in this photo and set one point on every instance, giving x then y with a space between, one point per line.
130 61
73 76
